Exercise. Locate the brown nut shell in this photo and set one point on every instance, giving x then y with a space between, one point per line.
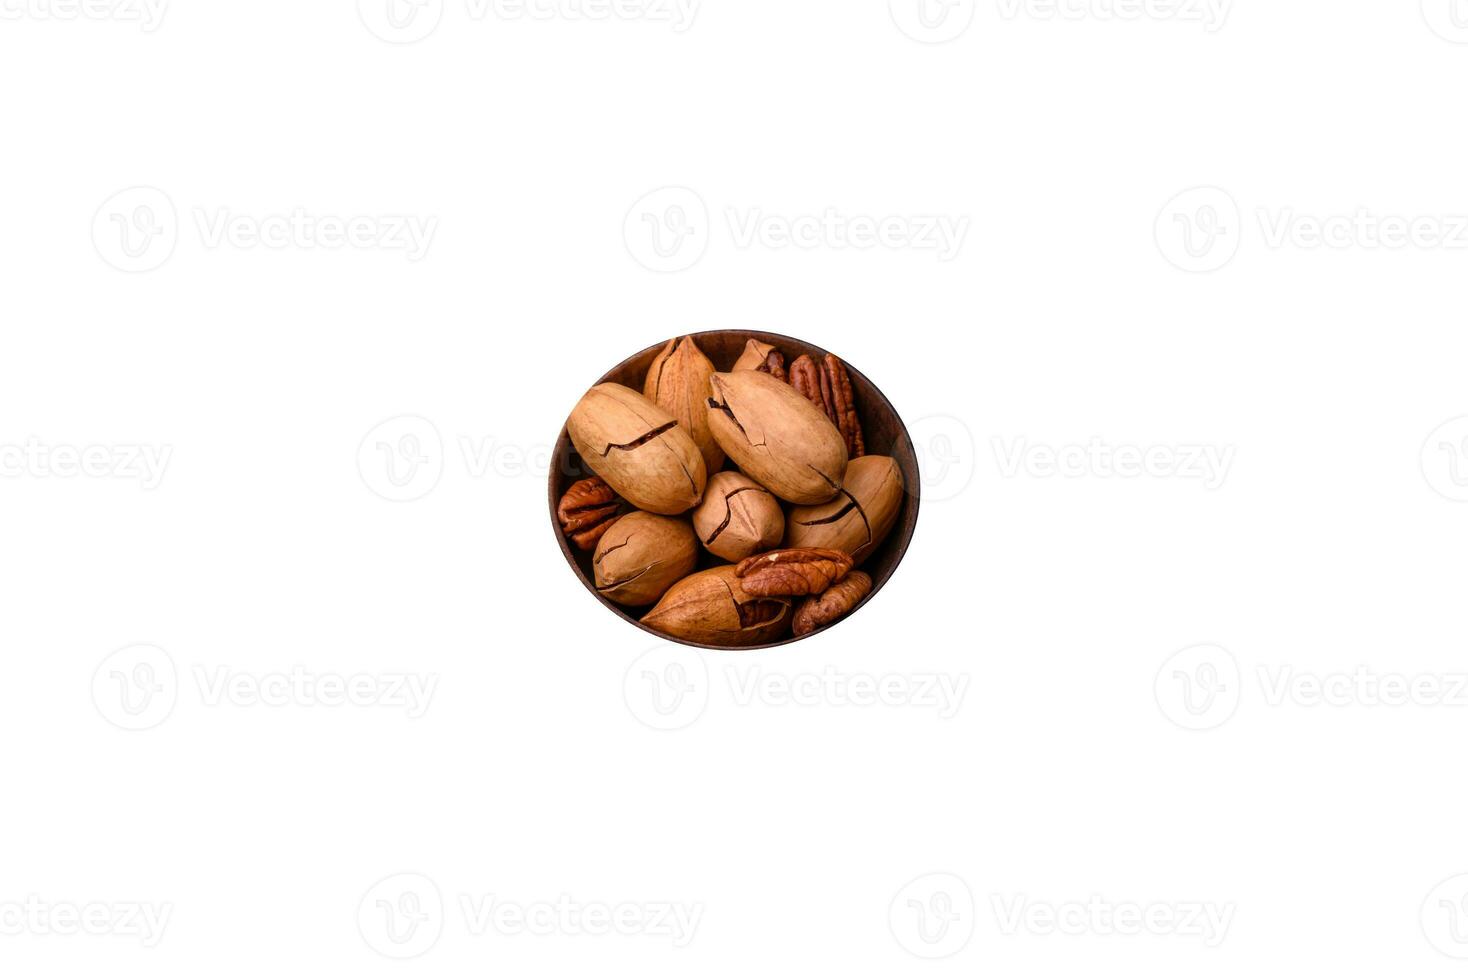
778 438
712 607
859 517
641 555
738 517
818 610
678 381
638 448
755 355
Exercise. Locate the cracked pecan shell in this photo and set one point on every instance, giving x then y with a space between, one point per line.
638 448
793 571
818 610
738 517
678 381
587 509
776 437
859 517
641 555
713 607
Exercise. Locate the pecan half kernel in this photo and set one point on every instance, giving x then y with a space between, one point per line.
832 604
774 365
841 407
805 378
793 571
586 510
827 386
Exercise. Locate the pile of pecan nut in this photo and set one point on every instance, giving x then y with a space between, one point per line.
738 505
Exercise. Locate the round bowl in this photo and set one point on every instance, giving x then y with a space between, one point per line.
882 428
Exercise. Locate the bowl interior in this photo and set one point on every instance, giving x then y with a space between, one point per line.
882 429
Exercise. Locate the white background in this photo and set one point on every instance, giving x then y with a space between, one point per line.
1072 768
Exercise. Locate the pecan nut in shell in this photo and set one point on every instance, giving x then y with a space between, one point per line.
793 571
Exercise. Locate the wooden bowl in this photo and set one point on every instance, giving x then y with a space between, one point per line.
882 428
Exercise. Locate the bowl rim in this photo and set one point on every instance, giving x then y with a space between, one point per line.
911 489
